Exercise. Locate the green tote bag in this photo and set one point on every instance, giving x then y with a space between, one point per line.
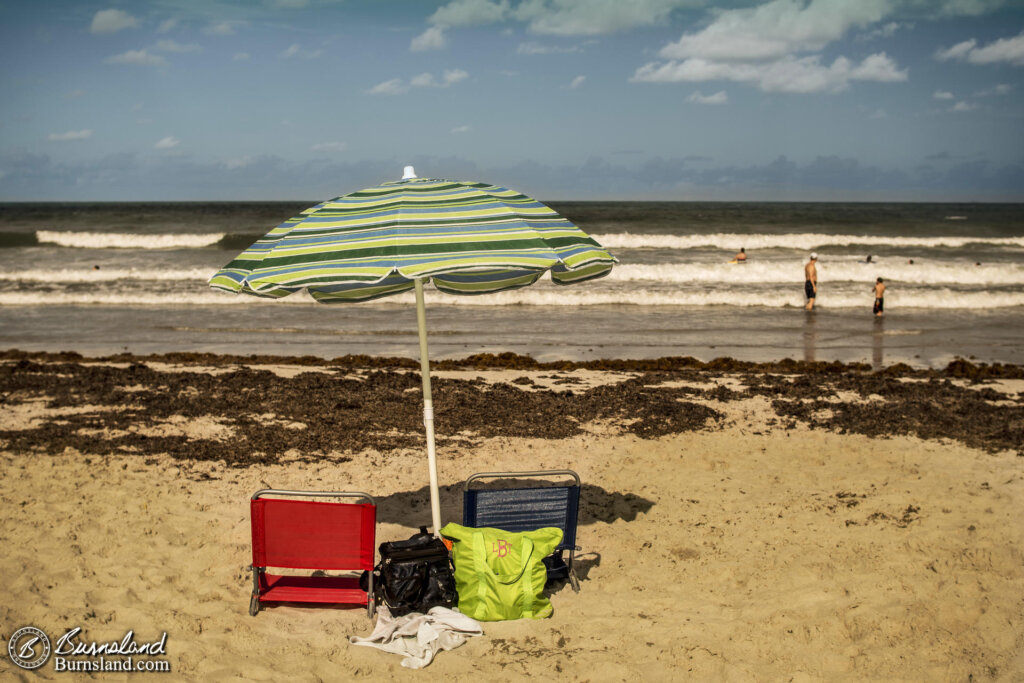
499 574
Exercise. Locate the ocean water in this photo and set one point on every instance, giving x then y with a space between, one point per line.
108 277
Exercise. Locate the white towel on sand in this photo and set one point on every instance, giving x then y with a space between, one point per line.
420 636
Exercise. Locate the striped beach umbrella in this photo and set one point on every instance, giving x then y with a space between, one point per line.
465 237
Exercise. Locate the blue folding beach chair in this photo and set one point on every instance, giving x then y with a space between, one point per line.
529 508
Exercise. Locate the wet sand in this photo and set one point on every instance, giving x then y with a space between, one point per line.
744 521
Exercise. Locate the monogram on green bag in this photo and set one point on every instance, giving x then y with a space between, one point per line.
500 574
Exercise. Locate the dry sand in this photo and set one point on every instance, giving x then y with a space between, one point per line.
751 551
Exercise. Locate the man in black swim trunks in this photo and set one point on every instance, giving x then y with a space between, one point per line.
879 291
811 281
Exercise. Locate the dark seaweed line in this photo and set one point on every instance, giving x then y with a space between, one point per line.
380 411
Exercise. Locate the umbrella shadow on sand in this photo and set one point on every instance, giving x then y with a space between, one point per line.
412 508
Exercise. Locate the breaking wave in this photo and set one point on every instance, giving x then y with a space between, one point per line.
804 241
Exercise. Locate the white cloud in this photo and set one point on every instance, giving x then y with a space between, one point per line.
111 21
329 147
879 68
942 95
594 17
998 90
240 57
559 17
577 82
790 74
169 142
776 29
393 87
958 51
422 81
431 39
1009 50
172 46
138 57
461 129
533 48
953 8
776 47
886 31
295 50
167 25
453 76
470 13
964 106
396 86
720 97
69 136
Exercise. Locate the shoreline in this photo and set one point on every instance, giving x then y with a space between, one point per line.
548 334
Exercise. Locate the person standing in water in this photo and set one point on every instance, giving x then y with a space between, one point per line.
811 281
879 291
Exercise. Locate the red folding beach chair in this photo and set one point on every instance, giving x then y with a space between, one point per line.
308 534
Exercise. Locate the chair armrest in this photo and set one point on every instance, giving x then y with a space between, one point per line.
521 475
315 494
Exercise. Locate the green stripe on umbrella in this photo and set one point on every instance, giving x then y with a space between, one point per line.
467 238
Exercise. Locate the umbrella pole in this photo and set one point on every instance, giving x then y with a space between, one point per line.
428 406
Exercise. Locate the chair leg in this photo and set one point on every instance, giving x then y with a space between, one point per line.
573 581
254 602
371 606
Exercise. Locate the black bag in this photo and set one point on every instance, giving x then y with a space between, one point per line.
414 575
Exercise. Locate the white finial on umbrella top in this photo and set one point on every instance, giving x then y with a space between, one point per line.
409 173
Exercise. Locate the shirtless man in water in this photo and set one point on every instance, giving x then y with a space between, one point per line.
879 290
811 281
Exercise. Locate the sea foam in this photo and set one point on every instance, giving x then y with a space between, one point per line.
122 240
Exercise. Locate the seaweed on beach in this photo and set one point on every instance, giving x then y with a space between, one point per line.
958 369
334 412
104 408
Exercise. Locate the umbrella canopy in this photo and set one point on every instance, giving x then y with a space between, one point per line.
468 238
465 237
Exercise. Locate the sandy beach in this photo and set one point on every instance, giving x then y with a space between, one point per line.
739 521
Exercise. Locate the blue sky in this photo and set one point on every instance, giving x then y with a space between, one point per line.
911 100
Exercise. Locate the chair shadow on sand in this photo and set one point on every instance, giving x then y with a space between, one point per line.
412 509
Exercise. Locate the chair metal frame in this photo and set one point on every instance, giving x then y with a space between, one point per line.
546 474
254 602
